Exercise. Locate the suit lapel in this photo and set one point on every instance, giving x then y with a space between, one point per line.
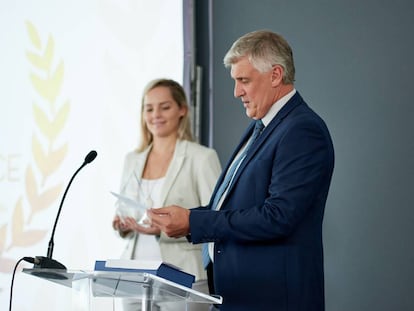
269 129
243 140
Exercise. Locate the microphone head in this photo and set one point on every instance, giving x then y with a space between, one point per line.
90 156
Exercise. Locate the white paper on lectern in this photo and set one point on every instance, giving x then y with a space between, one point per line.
128 207
133 264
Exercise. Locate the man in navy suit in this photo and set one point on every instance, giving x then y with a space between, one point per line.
265 230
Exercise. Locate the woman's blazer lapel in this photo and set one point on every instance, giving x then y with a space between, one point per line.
138 167
173 169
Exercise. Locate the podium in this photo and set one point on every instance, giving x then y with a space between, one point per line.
146 287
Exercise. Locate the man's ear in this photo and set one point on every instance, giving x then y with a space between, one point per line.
277 75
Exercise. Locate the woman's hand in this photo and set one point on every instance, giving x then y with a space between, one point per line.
119 225
131 224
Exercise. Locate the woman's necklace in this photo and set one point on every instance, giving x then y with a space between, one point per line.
147 193
155 169
150 183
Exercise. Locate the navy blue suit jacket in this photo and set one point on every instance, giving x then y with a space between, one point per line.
268 233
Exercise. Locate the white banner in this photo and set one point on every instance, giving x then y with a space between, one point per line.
71 79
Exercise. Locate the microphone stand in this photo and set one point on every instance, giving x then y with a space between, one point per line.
42 262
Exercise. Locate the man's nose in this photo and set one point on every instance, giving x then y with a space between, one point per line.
238 90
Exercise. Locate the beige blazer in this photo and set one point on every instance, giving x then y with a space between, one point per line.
189 182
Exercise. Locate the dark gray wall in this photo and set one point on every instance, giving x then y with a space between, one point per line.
354 62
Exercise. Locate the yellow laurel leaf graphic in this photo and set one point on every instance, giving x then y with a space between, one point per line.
42 86
18 221
42 120
60 120
3 231
56 157
47 164
49 87
40 195
32 189
29 237
43 62
38 61
51 129
33 35
56 80
46 198
39 200
49 52
39 156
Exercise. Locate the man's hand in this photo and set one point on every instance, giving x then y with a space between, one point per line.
173 220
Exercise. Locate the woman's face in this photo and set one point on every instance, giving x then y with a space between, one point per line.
161 112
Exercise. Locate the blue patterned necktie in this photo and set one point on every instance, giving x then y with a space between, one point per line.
228 179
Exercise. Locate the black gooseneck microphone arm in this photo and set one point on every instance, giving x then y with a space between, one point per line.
48 262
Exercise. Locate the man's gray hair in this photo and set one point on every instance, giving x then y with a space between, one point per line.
264 49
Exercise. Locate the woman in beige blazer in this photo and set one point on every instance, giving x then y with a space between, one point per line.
168 168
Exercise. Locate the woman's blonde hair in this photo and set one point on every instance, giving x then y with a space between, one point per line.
178 94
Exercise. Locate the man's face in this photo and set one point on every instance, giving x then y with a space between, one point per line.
257 90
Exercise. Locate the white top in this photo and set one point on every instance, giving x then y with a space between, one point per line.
149 194
189 182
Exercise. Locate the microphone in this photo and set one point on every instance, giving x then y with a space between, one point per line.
48 262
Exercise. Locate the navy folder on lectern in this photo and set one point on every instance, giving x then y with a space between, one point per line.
165 270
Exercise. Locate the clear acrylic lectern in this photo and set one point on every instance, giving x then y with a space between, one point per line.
147 287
